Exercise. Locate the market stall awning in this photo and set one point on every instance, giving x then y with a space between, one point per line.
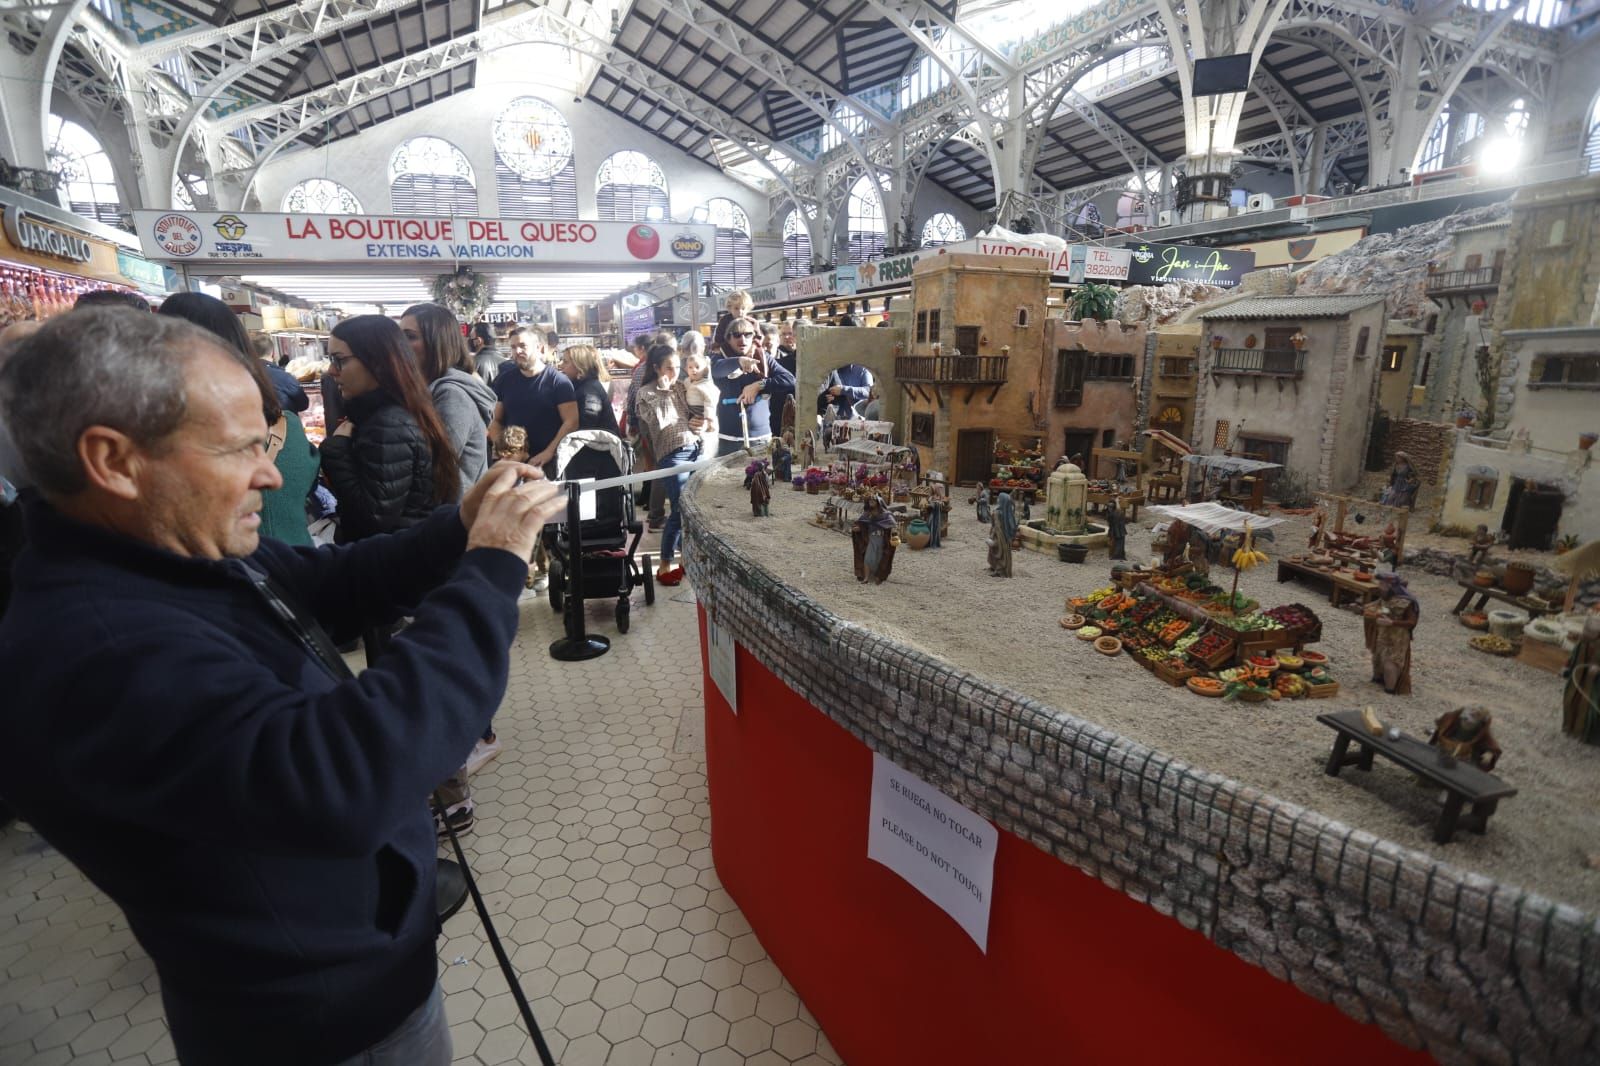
1168 441
1211 517
869 451
1229 464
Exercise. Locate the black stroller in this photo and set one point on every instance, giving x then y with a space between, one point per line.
608 541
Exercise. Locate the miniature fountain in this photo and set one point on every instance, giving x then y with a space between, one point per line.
1066 515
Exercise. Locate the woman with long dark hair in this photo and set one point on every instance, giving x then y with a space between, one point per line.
465 404
664 420
390 462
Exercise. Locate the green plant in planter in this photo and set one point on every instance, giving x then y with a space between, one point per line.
1092 300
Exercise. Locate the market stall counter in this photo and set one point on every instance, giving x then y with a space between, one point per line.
950 871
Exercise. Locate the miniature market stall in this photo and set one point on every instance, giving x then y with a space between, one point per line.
1108 472
1184 631
1164 454
1018 469
1245 481
1347 561
877 464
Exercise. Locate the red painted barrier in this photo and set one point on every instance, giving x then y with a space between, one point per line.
1075 972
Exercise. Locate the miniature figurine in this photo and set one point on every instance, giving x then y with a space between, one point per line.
786 420
1177 544
1403 483
808 450
1388 622
755 479
1318 534
1389 551
1117 529
783 457
983 505
874 537
513 444
936 512
1027 506
1465 734
1002 529
1482 541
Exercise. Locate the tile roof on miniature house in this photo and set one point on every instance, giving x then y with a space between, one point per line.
1254 307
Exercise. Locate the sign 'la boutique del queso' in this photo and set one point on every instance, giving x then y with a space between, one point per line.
378 240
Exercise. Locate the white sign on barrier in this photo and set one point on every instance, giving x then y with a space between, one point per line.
943 849
720 651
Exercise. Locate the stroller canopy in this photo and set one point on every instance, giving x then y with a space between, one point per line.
598 441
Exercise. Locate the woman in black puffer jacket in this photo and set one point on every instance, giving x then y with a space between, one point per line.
390 462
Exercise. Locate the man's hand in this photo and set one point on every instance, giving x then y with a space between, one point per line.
510 516
833 393
749 365
474 497
751 393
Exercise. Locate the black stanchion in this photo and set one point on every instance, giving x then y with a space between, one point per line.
577 645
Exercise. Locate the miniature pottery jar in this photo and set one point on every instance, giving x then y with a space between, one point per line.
1072 553
1518 579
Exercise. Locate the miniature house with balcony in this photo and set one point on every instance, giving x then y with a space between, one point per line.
1292 380
972 363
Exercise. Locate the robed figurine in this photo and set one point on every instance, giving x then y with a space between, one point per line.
874 536
1117 529
1002 530
755 479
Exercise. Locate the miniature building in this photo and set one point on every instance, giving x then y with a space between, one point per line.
1397 368
1531 475
1290 380
1465 287
1172 388
1092 373
973 362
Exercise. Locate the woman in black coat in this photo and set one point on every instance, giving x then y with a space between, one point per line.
390 463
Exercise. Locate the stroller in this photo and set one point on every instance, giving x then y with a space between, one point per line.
608 562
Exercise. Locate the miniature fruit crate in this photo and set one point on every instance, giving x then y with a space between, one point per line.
1322 691
1173 672
1219 657
1264 642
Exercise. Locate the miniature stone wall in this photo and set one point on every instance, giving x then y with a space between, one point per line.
1426 443
1473 970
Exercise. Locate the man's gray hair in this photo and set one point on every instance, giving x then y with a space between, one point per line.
771 329
693 343
101 366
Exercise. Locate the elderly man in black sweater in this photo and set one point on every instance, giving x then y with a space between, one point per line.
178 724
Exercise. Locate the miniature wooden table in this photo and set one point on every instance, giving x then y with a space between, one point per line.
1343 588
1164 486
1131 502
1463 783
1534 608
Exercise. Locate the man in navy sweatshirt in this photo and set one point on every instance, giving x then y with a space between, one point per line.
178 724
743 379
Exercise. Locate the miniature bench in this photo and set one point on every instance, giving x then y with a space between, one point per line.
1462 782
1535 608
1343 588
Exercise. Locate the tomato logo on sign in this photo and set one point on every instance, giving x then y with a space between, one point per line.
644 242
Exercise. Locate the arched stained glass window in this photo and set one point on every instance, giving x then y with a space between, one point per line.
943 228
796 246
320 196
431 176
533 170
864 216
735 266
630 187
85 168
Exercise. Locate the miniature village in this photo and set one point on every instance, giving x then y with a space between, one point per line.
1238 526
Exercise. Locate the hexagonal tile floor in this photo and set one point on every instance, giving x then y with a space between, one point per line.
592 850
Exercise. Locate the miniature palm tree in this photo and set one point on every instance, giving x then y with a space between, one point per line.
1091 300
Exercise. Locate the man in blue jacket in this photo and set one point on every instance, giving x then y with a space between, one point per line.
178 724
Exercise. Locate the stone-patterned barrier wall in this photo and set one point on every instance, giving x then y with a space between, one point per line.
1474 970
1426 443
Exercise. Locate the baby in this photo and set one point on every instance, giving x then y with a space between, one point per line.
703 397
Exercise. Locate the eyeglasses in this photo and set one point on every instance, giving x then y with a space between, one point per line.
339 361
741 334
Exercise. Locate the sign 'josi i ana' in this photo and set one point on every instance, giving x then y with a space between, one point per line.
941 848
1157 264
203 236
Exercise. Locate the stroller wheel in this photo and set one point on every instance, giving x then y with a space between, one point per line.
558 580
622 615
649 583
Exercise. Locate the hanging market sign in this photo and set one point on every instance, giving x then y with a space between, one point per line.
32 234
1088 262
203 236
1293 251
1158 264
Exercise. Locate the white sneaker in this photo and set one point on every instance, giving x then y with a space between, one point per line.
541 582
482 752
